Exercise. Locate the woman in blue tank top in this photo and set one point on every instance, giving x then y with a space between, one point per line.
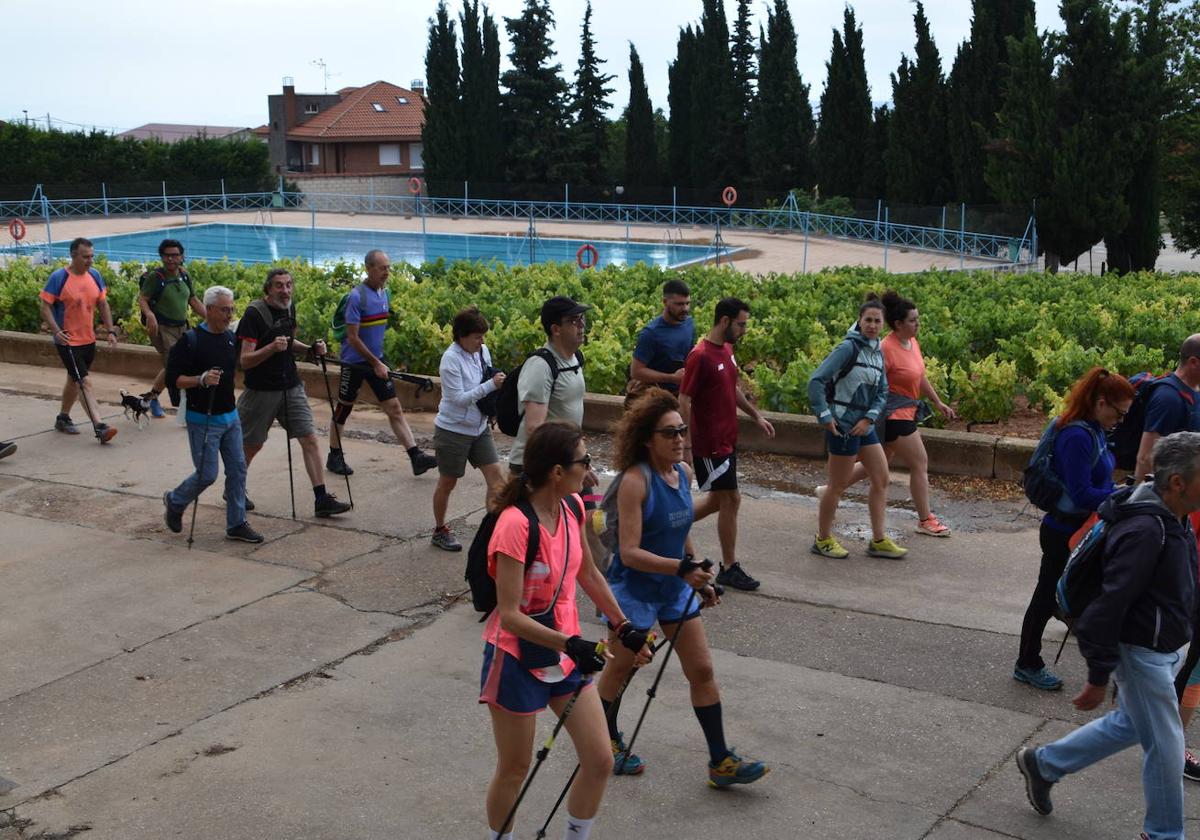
655 578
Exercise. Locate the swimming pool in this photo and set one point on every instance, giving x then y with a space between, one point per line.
268 243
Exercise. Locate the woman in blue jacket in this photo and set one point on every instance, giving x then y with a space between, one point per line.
848 392
1081 460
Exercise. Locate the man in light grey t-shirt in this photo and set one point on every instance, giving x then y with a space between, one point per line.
542 395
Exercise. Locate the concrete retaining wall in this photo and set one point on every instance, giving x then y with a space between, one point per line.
952 453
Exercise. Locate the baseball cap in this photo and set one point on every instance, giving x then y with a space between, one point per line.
559 307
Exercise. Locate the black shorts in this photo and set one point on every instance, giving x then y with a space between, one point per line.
896 429
352 379
717 472
76 359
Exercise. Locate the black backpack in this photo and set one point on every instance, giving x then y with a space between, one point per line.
843 372
1126 438
483 585
508 407
163 282
1042 485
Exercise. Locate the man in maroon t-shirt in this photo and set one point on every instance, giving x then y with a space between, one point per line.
709 398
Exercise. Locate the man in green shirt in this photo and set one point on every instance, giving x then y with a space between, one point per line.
164 296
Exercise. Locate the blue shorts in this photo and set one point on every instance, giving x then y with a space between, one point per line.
644 612
849 444
506 684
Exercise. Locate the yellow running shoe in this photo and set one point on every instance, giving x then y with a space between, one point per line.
829 547
886 548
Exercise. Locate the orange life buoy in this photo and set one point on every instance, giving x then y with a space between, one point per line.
414 186
17 228
584 250
729 196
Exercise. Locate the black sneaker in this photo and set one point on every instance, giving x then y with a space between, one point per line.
173 518
249 504
336 463
64 424
1191 767
7 448
328 505
105 432
1037 789
244 533
423 462
736 577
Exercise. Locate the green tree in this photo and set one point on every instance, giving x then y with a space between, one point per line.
1181 128
481 123
442 132
781 118
535 101
844 128
679 101
641 145
874 175
718 151
916 151
589 127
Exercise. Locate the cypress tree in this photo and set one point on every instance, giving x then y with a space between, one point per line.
718 139
844 128
441 134
1181 128
874 177
781 123
589 127
742 53
641 146
484 151
917 157
534 103
679 100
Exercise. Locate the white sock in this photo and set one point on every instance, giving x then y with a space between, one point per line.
496 835
578 829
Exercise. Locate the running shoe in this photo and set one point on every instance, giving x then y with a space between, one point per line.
736 577
932 527
625 763
444 539
244 533
829 547
1037 789
156 409
1191 767
7 448
64 424
886 548
1042 678
735 770
336 463
328 505
105 432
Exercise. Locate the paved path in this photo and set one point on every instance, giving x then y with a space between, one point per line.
323 685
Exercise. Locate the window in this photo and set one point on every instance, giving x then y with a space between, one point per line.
314 154
389 154
414 155
403 100
312 108
377 107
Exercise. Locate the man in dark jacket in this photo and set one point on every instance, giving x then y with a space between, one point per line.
1135 630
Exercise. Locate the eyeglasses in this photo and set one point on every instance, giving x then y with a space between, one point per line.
228 310
1120 414
586 460
577 320
673 431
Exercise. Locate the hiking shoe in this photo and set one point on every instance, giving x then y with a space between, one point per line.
63 424
735 770
423 462
932 527
156 409
249 504
336 463
444 539
886 548
329 505
244 533
1037 789
625 763
1042 678
173 518
1191 767
7 448
105 432
829 547
736 577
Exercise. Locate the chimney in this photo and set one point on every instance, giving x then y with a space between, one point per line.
418 86
289 103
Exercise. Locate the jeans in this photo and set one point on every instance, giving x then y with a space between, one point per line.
1147 714
1055 552
227 442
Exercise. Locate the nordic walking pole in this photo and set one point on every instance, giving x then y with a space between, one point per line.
200 470
83 397
337 433
545 750
287 421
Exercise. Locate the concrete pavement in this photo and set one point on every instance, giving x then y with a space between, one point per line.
323 684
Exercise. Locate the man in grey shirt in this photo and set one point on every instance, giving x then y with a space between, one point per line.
543 394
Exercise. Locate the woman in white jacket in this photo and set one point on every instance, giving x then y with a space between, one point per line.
461 431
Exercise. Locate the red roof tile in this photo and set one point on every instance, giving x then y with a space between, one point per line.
355 117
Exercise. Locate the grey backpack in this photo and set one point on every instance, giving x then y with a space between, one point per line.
610 537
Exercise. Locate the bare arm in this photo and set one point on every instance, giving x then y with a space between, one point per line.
253 358
643 373
107 319
197 306
596 587
685 411
751 409
927 390
535 415
1145 455
60 334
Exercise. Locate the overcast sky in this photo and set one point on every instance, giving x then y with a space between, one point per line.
117 64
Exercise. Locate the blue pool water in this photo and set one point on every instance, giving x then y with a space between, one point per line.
265 244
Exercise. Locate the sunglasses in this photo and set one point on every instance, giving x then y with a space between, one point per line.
586 460
673 431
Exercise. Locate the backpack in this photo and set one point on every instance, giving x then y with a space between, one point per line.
339 314
1041 483
610 536
1126 438
163 282
508 407
483 585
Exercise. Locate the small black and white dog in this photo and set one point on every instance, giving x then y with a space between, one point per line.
137 408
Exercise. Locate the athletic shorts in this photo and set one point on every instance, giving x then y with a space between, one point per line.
644 613
258 409
896 429
717 472
167 337
504 683
850 444
76 358
454 450
351 380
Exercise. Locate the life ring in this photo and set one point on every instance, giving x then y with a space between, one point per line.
584 250
414 186
729 196
17 228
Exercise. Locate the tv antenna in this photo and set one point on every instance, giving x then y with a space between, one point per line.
320 62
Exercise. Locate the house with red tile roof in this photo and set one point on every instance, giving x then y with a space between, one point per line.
370 130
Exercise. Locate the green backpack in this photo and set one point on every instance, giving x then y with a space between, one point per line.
339 314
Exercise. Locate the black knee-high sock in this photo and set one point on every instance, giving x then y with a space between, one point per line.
612 708
714 730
